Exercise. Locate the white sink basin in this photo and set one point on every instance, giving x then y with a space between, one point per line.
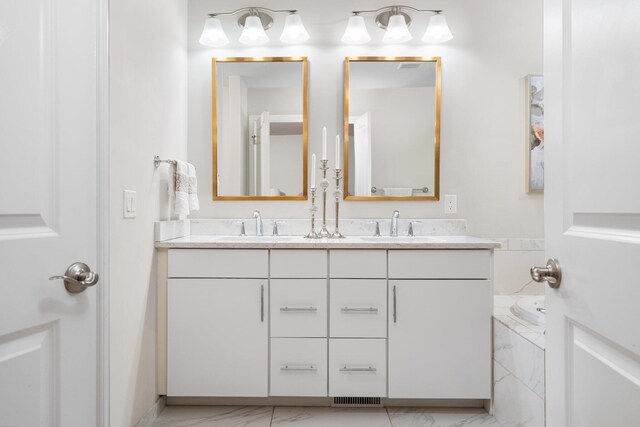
254 239
401 239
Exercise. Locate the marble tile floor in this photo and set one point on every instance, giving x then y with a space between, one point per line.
267 416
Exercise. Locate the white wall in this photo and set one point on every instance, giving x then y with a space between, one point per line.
148 91
497 43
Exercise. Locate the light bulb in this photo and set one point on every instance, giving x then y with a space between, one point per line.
356 32
437 31
294 31
253 34
213 34
397 30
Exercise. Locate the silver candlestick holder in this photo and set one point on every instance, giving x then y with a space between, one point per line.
324 184
313 209
338 195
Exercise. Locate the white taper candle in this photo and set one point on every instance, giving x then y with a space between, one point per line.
338 152
324 143
313 170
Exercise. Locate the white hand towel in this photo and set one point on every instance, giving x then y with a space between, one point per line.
194 204
399 191
181 188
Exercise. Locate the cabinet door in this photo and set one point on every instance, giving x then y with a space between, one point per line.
217 337
440 339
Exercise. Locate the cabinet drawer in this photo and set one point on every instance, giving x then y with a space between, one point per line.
358 308
298 367
298 263
439 264
298 308
354 264
240 263
358 367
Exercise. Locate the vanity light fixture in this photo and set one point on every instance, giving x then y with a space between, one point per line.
395 21
213 35
254 21
294 31
356 32
437 31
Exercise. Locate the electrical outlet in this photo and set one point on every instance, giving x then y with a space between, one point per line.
450 204
130 202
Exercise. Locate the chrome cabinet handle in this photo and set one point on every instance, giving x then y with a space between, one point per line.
357 369
299 368
298 309
395 312
262 303
77 278
359 310
552 273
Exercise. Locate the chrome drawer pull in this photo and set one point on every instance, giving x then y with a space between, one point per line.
298 368
262 303
367 369
359 310
395 311
294 309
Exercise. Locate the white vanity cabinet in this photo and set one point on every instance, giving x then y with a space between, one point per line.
217 327
329 322
440 324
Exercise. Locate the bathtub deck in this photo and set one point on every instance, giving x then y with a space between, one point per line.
502 313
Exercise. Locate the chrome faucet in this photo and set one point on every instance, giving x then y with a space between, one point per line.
256 215
394 224
275 227
410 233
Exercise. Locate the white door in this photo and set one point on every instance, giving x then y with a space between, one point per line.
592 212
265 154
218 337
362 154
48 141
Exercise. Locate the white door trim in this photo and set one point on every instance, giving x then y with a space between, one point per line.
102 235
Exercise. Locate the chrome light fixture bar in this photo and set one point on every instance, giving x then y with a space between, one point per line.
395 21
254 21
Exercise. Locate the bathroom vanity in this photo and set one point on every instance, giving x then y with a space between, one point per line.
339 320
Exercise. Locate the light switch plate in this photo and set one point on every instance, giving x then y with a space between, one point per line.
450 204
130 202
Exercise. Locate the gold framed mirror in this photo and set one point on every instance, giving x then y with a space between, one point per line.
392 128
259 128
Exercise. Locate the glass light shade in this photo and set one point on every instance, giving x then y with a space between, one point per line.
356 32
437 31
397 30
294 31
253 34
213 34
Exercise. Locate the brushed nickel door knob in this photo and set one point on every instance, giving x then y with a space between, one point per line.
552 273
77 278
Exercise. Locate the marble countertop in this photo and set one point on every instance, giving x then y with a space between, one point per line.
351 242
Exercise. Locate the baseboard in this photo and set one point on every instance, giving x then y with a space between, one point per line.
250 401
319 401
153 413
